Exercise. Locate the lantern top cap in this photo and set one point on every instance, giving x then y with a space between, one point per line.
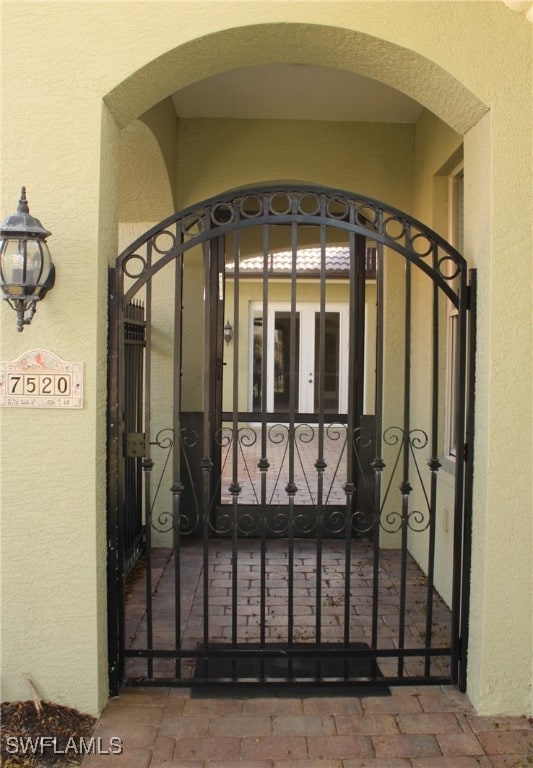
21 223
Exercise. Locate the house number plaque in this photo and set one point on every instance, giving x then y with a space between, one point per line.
41 379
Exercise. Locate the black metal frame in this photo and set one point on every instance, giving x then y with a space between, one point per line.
210 224
134 344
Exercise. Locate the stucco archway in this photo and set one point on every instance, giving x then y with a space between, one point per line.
401 68
407 71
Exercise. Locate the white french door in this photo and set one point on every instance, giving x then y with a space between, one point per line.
296 353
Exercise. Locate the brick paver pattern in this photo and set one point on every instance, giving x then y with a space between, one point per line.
430 727
245 600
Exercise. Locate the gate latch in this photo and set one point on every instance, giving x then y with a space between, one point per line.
134 445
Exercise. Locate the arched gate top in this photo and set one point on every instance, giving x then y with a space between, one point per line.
300 204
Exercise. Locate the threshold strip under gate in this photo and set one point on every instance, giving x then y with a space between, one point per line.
283 658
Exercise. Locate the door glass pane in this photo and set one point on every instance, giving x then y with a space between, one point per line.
257 361
331 362
282 361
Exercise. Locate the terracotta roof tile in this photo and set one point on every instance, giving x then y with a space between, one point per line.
308 261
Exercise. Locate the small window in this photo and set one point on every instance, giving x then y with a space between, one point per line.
456 208
451 386
456 238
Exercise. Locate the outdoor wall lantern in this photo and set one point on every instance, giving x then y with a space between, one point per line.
26 268
228 332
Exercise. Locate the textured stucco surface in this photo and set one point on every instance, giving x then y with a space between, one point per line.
374 158
501 601
60 140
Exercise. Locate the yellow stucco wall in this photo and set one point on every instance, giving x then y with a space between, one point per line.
436 149
90 68
373 158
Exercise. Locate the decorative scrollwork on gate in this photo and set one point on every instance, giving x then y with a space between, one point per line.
264 496
190 518
164 521
363 516
416 520
303 204
229 439
262 480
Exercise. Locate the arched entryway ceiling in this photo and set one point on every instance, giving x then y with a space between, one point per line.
398 67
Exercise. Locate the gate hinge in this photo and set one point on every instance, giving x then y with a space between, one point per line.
134 445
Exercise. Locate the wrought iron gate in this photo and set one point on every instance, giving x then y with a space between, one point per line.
303 372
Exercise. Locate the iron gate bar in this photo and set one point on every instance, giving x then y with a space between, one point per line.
235 487
320 461
115 578
378 464
343 687
147 466
121 479
304 683
405 487
134 342
359 363
469 477
177 484
459 478
434 463
272 417
291 488
263 461
207 462
338 650
353 407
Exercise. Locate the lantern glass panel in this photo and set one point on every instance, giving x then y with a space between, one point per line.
25 265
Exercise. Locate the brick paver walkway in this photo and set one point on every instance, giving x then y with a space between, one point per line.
413 728
246 602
